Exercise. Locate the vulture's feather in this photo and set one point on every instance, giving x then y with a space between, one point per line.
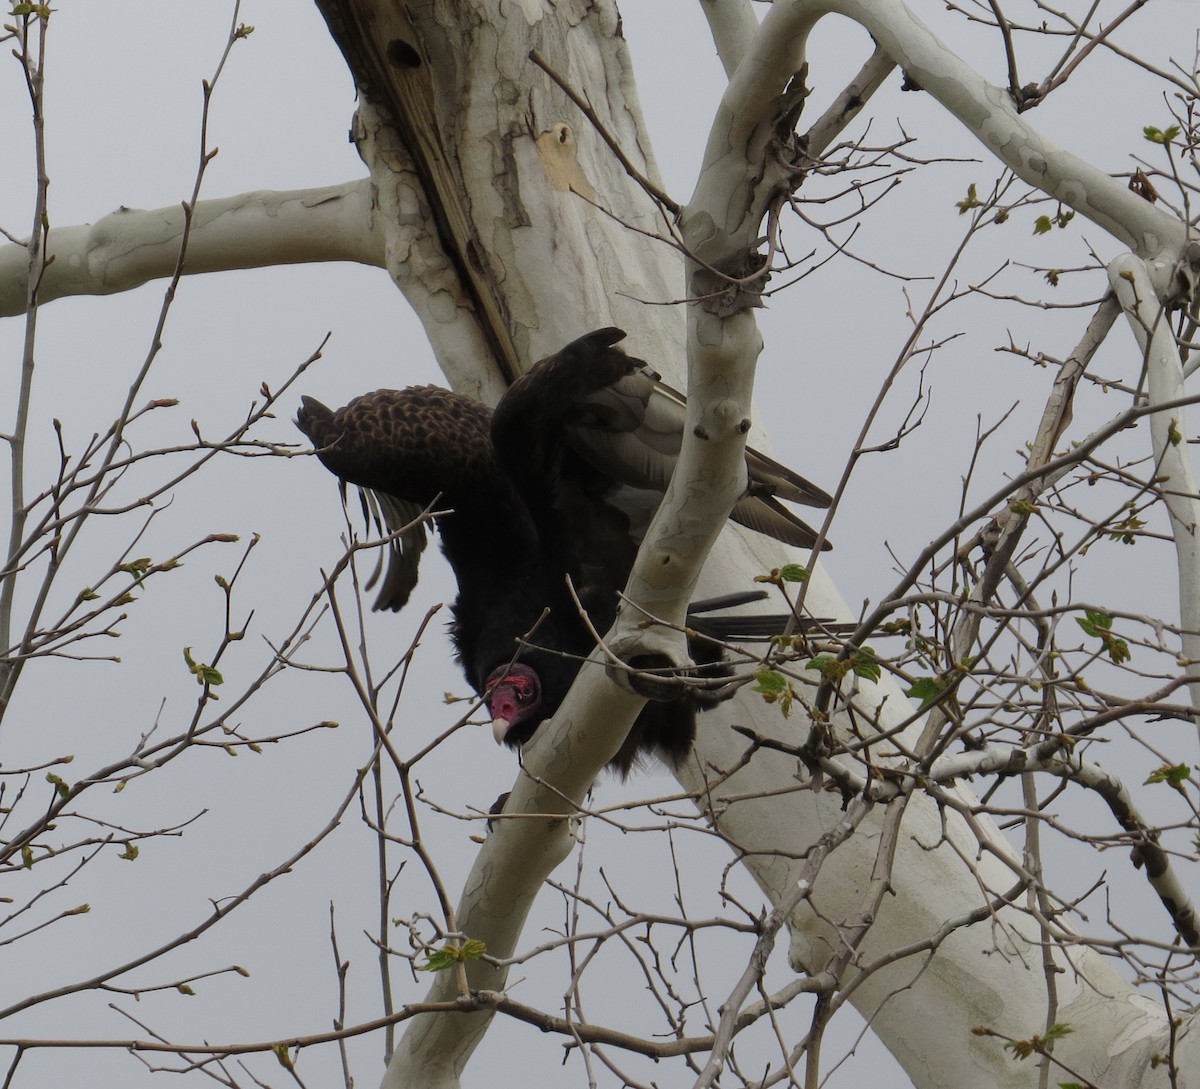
558 483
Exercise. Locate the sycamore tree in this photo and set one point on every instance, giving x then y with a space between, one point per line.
970 816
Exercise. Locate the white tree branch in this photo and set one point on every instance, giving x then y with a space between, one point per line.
733 25
130 247
993 760
1132 282
777 52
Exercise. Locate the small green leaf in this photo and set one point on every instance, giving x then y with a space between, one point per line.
926 689
769 682
438 961
1172 774
60 784
1094 622
204 674
1044 224
1118 650
1173 435
88 594
862 663
1160 136
775 688
27 857
1127 531
137 567
450 954
865 664
789 642
789 572
130 853
1036 1045
972 201
1098 625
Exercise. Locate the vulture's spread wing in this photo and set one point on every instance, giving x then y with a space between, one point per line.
410 451
626 425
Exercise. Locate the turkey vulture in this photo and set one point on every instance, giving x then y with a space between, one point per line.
559 482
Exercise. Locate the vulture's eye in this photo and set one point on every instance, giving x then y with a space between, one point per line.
523 687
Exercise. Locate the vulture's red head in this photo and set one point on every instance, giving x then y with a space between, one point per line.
514 697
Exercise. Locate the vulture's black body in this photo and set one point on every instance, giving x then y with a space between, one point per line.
558 482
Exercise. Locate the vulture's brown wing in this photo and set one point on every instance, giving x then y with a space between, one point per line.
409 451
623 420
